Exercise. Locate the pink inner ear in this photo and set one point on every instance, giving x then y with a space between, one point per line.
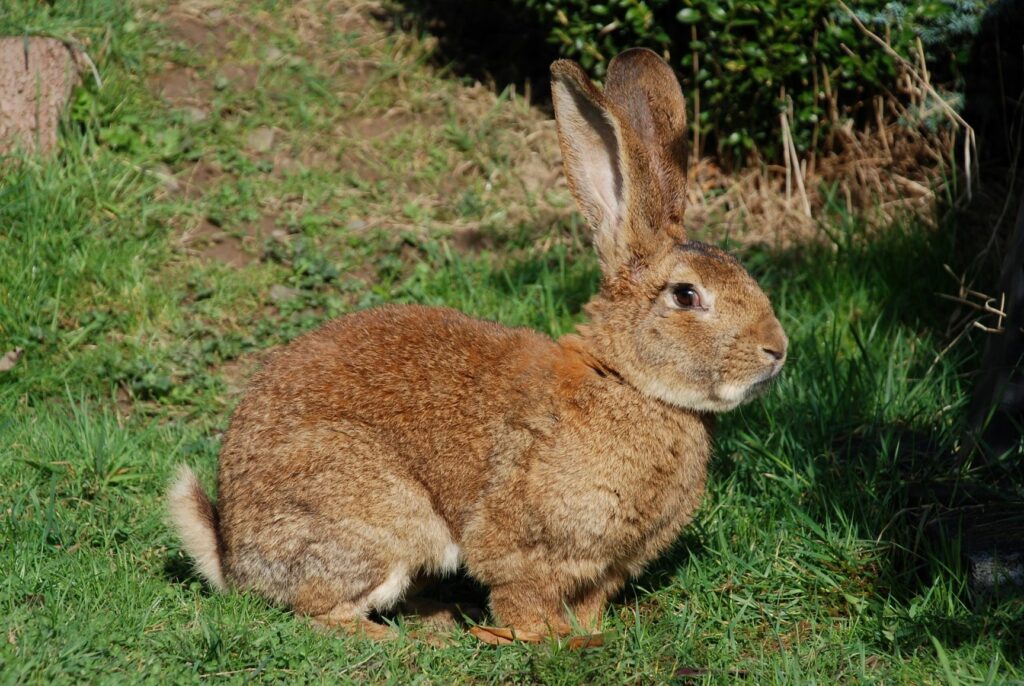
592 157
603 173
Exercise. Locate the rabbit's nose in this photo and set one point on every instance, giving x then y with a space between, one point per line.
773 340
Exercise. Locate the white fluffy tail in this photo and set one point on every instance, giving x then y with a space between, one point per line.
195 518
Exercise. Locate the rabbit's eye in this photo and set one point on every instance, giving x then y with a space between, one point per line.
686 297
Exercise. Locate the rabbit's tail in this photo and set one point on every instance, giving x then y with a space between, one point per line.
195 519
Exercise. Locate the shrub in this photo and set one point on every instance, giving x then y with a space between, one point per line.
744 61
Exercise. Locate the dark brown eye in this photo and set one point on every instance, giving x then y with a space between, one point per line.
686 297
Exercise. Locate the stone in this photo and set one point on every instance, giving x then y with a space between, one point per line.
992 572
36 79
10 359
990 537
260 139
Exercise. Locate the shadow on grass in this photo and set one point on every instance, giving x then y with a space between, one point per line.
178 570
859 422
486 40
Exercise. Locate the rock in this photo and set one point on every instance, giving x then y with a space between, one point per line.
36 78
260 139
356 225
10 359
991 571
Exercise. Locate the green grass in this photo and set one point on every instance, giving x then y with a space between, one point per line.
812 560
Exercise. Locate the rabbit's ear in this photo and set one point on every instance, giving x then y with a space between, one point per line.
592 153
645 93
624 152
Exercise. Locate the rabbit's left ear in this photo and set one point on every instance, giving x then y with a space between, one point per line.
645 92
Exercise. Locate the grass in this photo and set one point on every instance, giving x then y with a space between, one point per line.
814 558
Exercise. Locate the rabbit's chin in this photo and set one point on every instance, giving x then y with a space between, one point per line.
723 398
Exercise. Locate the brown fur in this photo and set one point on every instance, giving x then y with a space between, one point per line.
406 440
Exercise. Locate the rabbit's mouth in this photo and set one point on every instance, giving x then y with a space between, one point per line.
761 385
758 387
719 398
736 394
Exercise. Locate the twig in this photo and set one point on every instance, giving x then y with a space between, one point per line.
985 307
92 65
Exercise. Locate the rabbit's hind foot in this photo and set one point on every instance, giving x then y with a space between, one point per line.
349 620
328 611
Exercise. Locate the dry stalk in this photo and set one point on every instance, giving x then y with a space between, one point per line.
792 159
920 75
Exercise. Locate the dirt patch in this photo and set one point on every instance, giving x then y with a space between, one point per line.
470 240
229 251
370 128
362 166
181 86
538 174
36 78
356 75
200 178
241 76
212 37
125 402
236 249
184 86
261 139
237 373
358 163
315 158
362 19
512 166
212 244
261 229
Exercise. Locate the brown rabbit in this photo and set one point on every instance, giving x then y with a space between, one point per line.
404 440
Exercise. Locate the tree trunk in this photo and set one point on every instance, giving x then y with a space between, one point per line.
997 406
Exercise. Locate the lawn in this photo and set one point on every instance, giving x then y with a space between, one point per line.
243 175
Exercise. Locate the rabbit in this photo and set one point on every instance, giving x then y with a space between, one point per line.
408 441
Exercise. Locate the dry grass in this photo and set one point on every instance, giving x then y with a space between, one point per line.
880 175
895 166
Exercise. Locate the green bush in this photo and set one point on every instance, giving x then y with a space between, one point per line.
746 59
